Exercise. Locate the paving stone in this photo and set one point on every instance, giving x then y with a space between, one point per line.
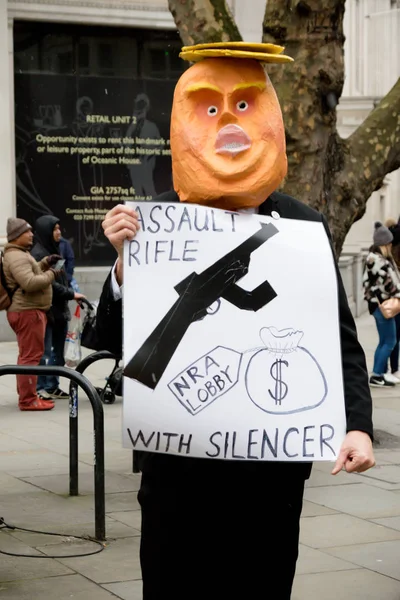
313 510
114 529
8 543
12 485
9 443
59 484
323 478
359 499
63 588
387 473
382 557
359 584
62 469
70 546
340 530
32 510
25 461
315 561
390 402
115 502
119 562
116 460
393 522
132 518
127 590
387 457
379 483
13 568
324 466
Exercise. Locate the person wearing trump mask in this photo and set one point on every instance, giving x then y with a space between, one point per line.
219 528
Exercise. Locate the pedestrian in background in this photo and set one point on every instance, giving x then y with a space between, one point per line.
393 373
30 285
381 281
68 255
47 240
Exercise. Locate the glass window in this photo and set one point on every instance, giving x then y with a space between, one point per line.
161 59
57 54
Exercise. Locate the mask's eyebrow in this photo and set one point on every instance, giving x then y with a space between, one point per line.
260 85
203 86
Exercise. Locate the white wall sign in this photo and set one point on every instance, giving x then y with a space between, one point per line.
231 337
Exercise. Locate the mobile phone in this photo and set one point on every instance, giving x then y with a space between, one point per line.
59 264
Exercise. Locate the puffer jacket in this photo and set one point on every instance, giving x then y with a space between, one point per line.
44 246
29 281
381 280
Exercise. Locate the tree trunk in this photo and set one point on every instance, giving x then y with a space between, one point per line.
202 21
371 152
334 176
308 90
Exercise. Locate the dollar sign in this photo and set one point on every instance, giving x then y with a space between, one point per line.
281 388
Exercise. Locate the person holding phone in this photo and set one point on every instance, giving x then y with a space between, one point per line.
29 286
47 241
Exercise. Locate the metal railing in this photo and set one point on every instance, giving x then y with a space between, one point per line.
73 416
73 427
77 379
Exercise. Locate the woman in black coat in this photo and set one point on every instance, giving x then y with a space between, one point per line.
47 239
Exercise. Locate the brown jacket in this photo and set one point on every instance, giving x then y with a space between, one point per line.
30 280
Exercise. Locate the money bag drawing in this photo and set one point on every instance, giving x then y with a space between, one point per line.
285 366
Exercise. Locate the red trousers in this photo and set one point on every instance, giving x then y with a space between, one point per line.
29 327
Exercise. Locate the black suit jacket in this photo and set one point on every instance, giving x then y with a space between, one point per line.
358 400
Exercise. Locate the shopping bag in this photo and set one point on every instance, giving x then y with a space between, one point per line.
72 347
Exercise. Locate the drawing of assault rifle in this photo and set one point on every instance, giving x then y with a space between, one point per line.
197 293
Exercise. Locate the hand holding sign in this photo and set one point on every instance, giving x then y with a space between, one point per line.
120 224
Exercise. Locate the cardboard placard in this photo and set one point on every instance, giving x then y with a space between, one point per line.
231 337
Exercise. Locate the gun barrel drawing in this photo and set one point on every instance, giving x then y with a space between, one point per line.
196 293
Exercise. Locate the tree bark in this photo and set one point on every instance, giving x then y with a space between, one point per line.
308 90
370 153
203 21
334 176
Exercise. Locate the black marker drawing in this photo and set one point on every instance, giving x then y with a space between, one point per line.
281 388
209 377
197 293
277 371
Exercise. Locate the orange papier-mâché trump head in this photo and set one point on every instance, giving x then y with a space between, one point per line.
227 133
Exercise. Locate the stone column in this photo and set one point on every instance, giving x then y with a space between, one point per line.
7 159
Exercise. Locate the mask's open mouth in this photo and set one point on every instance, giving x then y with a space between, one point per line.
232 140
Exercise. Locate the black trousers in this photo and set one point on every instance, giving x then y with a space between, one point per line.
215 534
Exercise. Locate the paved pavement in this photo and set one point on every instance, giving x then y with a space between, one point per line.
350 531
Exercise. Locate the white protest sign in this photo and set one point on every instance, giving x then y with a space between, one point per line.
231 337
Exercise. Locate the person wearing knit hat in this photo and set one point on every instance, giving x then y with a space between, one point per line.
382 235
30 288
16 227
381 281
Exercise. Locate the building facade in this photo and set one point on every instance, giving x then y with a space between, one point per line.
85 95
